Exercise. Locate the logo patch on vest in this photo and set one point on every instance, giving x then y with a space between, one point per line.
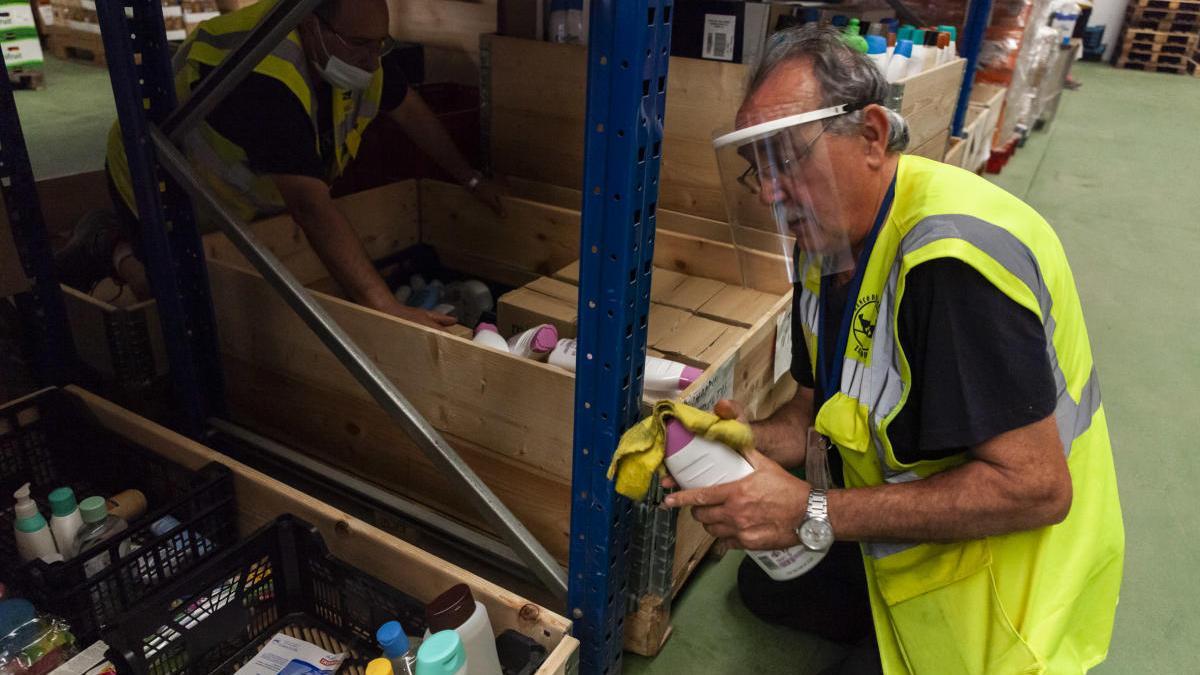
862 326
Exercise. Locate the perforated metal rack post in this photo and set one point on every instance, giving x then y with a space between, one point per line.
144 90
628 52
978 14
42 305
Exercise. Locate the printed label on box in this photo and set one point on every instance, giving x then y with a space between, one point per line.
285 655
717 387
719 33
783 344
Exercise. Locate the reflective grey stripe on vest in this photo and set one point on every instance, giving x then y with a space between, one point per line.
880 386
286 49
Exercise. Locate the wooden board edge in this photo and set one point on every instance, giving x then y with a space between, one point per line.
343 533
564 660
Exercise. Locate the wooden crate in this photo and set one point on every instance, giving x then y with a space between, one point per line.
934 148
122 345
956 151
261 499
510 418
533 113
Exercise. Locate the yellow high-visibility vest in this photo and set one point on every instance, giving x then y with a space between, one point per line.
1026 602
223 164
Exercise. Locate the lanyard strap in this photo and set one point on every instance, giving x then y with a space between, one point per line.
829 369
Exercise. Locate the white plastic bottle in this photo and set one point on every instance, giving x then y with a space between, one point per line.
898 66
535 343
488 335
65 520
33 535
916 63
457 610
877 52
952 50
695 462
661 375
444 653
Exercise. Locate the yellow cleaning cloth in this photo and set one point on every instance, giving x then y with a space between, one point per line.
642 447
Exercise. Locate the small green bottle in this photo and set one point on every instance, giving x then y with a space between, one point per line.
854 38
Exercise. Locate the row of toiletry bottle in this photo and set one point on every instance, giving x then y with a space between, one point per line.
541 343
904 51
464 300
459 640
72 528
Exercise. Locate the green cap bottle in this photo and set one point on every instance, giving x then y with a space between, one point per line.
93 510
62 502
853 37
441 654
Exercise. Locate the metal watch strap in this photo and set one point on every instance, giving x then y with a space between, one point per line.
818 505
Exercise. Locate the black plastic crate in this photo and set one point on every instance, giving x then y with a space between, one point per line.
50 440
281 579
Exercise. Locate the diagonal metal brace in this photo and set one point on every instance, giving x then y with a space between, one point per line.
368 374
237 64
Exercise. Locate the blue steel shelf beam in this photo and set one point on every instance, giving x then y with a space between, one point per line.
979 14
628 53
42 305
161 174
144 90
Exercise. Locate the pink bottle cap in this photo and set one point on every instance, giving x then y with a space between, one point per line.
688 376
485 327
545 339
678 436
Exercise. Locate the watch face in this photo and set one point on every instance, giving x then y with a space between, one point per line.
816 534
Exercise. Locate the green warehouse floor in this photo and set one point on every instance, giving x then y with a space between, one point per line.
1116 175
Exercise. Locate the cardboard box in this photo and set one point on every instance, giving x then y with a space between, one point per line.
523 308
720 30
698 341
738 306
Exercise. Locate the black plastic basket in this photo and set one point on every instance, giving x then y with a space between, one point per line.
50 440
281 579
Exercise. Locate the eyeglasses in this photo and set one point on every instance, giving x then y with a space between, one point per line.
750 179
381 46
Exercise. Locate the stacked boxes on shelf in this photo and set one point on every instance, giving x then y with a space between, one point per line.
74 30
1161 36
19 40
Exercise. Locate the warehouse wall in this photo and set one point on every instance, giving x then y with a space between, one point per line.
450 31
1110 13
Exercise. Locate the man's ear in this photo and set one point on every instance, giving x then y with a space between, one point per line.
875 130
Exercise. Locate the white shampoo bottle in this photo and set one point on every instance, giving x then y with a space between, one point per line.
488 335
695 461
535 343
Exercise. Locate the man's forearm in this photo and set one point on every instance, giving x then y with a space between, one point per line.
423 127
967 502
784 435
335 242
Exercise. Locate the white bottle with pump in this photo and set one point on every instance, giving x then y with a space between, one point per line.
34 538
695 462
488 335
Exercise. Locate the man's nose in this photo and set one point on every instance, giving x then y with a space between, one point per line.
770 191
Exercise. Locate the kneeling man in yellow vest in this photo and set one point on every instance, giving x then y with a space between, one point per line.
292 127
972 524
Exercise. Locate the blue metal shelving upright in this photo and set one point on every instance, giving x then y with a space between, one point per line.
628 53
979 14
42 305
143 83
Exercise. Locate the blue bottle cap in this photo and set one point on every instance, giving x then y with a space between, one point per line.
904 48
392 639
876 44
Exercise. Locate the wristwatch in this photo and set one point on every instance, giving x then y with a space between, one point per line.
474 181
815 532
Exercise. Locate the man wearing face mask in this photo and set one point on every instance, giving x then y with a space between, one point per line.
292 127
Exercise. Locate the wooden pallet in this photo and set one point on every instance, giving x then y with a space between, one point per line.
1150 67
1143 36
1166 20
73 45
1156 58
1185 5
27 78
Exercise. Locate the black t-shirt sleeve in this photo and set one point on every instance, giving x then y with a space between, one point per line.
265 119
979 363
801 361
395 86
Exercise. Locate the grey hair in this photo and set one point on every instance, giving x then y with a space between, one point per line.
846 76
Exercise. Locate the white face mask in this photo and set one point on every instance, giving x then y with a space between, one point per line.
341 74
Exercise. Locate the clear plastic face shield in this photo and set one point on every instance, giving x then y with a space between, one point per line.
781 190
